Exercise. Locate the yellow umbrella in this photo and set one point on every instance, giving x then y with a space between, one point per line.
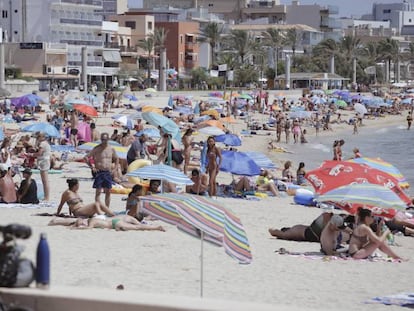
151 109
214 123
212 112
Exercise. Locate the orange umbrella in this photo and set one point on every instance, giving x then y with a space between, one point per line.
212 113
228 120
86 109
215 123
151 109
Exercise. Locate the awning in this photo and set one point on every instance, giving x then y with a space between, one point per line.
112 56
190 35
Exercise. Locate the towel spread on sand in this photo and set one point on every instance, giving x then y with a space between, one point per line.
403 299
20 205
323 257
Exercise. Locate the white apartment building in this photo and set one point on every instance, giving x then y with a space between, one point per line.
69 24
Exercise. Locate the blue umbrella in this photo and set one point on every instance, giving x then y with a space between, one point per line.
238 163
260 159
42 127
166 124
131 97
150 132
31 100
406 101
229 139
163 172
184 109
1 134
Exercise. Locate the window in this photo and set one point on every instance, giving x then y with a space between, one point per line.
210 5
149 25
181 39
130 24
388 11
4 13
409 20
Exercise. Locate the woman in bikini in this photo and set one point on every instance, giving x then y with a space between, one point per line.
364 242
132 203
213 152
76 205
337 150
187 139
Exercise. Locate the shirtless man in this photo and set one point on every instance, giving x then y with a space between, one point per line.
118 223
329 235
74 121
103 156
200 181
7 188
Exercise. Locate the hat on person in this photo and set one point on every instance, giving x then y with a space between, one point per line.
27 171
338 221
19 144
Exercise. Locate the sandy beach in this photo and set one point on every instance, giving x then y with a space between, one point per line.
169 262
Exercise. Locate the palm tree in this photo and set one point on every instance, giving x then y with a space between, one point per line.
241 42
389 51
211 34
293 39
323 51
273 38
148 46
159 36
350 49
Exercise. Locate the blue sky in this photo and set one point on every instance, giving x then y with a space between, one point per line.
347 7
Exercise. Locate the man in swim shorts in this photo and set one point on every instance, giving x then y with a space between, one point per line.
102 155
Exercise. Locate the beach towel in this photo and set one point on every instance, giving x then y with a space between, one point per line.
323 257
403 300
20 205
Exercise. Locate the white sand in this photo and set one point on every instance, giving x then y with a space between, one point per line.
168 262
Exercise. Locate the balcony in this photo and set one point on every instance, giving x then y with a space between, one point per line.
190 63
189 46
330 10
87 2
329 22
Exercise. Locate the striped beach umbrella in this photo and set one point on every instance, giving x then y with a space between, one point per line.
386 167
162 172
365 194
121 151
204 219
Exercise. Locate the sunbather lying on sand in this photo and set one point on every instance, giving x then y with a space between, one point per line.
119 223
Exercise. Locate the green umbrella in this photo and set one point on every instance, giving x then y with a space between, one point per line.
341 103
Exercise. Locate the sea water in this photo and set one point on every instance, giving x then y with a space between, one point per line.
392 144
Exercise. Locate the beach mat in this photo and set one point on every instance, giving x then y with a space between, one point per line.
33 206
403 300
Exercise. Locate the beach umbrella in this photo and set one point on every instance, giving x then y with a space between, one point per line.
238 163
170 101
364 194
215 123
42 127
86 109
150 132
261 159
201 218
148 108
211 131
407 101
1 134
229 139
212 112
340 103
244 96
356 97
167 125
120 150
333 174
131 97
30 100
183 109
386 167
360 108
162 172
317 100
124 120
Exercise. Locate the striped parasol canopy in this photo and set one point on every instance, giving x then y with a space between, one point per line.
163 172
364 194
121 151
386 167
204 219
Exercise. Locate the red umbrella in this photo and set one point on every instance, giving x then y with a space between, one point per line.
333 174
377 211
86 109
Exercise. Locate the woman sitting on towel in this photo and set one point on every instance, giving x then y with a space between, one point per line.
76 205
132 203
364 242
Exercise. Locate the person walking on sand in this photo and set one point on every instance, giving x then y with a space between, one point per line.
409 120
102 155
74 122
43 161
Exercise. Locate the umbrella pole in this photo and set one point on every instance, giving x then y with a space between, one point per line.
201 264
